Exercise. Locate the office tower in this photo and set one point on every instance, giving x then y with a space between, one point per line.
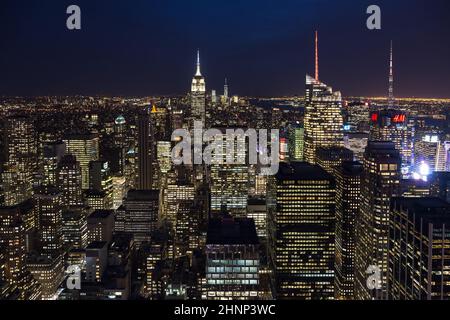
52 154
120 132
229 182
13 244
419 249
331 157
429 151
153 252
97 200
74 228
48 272
49 210
393 125
323 121
100 179
96 260
296 142
164 156
214 97
139 214
85 147
198 94
440 185
173 196
100 226
257 210
348 189
145 151
232 260
186 229
301 228
119 191
380 182
225 89
69 181
358 116
21 159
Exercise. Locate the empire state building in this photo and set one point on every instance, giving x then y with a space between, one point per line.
198 94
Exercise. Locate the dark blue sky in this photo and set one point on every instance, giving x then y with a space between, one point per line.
147 47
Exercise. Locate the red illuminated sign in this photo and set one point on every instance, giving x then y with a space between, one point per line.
374 117
399 118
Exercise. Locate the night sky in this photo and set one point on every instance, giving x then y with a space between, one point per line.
148 47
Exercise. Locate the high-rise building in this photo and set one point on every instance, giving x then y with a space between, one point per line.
139 214
348 188
145 151
49 211
69 181
198 94
440 185
13 244
100 179
232 260
394 125
21 159
85 147
323 121
301 228
52 154
419 246
330 158
100 226
257 210
74 228
380 182
229 182
296 142
48 272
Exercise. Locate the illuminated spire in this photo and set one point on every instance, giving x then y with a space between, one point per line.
391 80
198 73
154 110
317 57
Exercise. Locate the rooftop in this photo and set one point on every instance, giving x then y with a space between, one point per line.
230 230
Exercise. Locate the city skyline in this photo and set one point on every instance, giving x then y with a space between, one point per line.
149 49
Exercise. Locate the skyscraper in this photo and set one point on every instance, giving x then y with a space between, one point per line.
145 151
296 142
301 227
419 249
380 182
20 166
330 158
85 147
13 241
198 94
69 181
348 189
232 260
139 214
323 120
393 125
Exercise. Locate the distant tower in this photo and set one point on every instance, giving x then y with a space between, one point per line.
391 80
198 93
225 89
